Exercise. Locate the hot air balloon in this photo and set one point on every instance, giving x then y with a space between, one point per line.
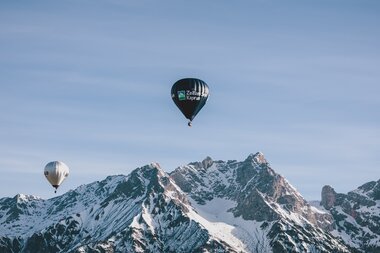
55 172
190 95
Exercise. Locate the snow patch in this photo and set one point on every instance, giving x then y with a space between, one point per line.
241 234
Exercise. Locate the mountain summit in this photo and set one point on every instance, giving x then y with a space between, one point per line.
207 206
356 215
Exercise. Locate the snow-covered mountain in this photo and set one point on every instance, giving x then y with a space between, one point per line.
356 215
208 206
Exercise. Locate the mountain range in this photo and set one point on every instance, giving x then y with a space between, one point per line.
208 206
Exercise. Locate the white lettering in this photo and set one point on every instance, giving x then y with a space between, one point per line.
191 93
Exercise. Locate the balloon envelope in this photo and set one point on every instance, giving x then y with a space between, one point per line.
55 172
190 95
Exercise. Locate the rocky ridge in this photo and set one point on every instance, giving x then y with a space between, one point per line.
208 206
356 215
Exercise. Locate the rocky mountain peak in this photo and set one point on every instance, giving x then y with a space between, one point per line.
255 193
257 158
371 189
259 192
356 215
207 206
22 198
207 162
328 197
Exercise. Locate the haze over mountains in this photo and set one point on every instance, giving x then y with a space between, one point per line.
208 206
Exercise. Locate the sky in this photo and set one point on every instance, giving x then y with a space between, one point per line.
88 83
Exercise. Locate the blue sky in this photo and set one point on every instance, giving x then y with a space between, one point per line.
88 83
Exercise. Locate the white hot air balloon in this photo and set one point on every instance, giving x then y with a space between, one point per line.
55 172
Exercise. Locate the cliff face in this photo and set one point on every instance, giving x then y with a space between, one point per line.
328 197
256 194
356 215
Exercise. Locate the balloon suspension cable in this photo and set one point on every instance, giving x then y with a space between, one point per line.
189 124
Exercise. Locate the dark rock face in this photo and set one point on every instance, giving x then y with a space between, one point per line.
10 245
207 162
51 240
254 207
328 197
356 214
304 238
261 195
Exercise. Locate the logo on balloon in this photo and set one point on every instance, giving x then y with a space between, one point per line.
181 95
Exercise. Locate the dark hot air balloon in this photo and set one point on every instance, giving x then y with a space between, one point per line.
190 95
